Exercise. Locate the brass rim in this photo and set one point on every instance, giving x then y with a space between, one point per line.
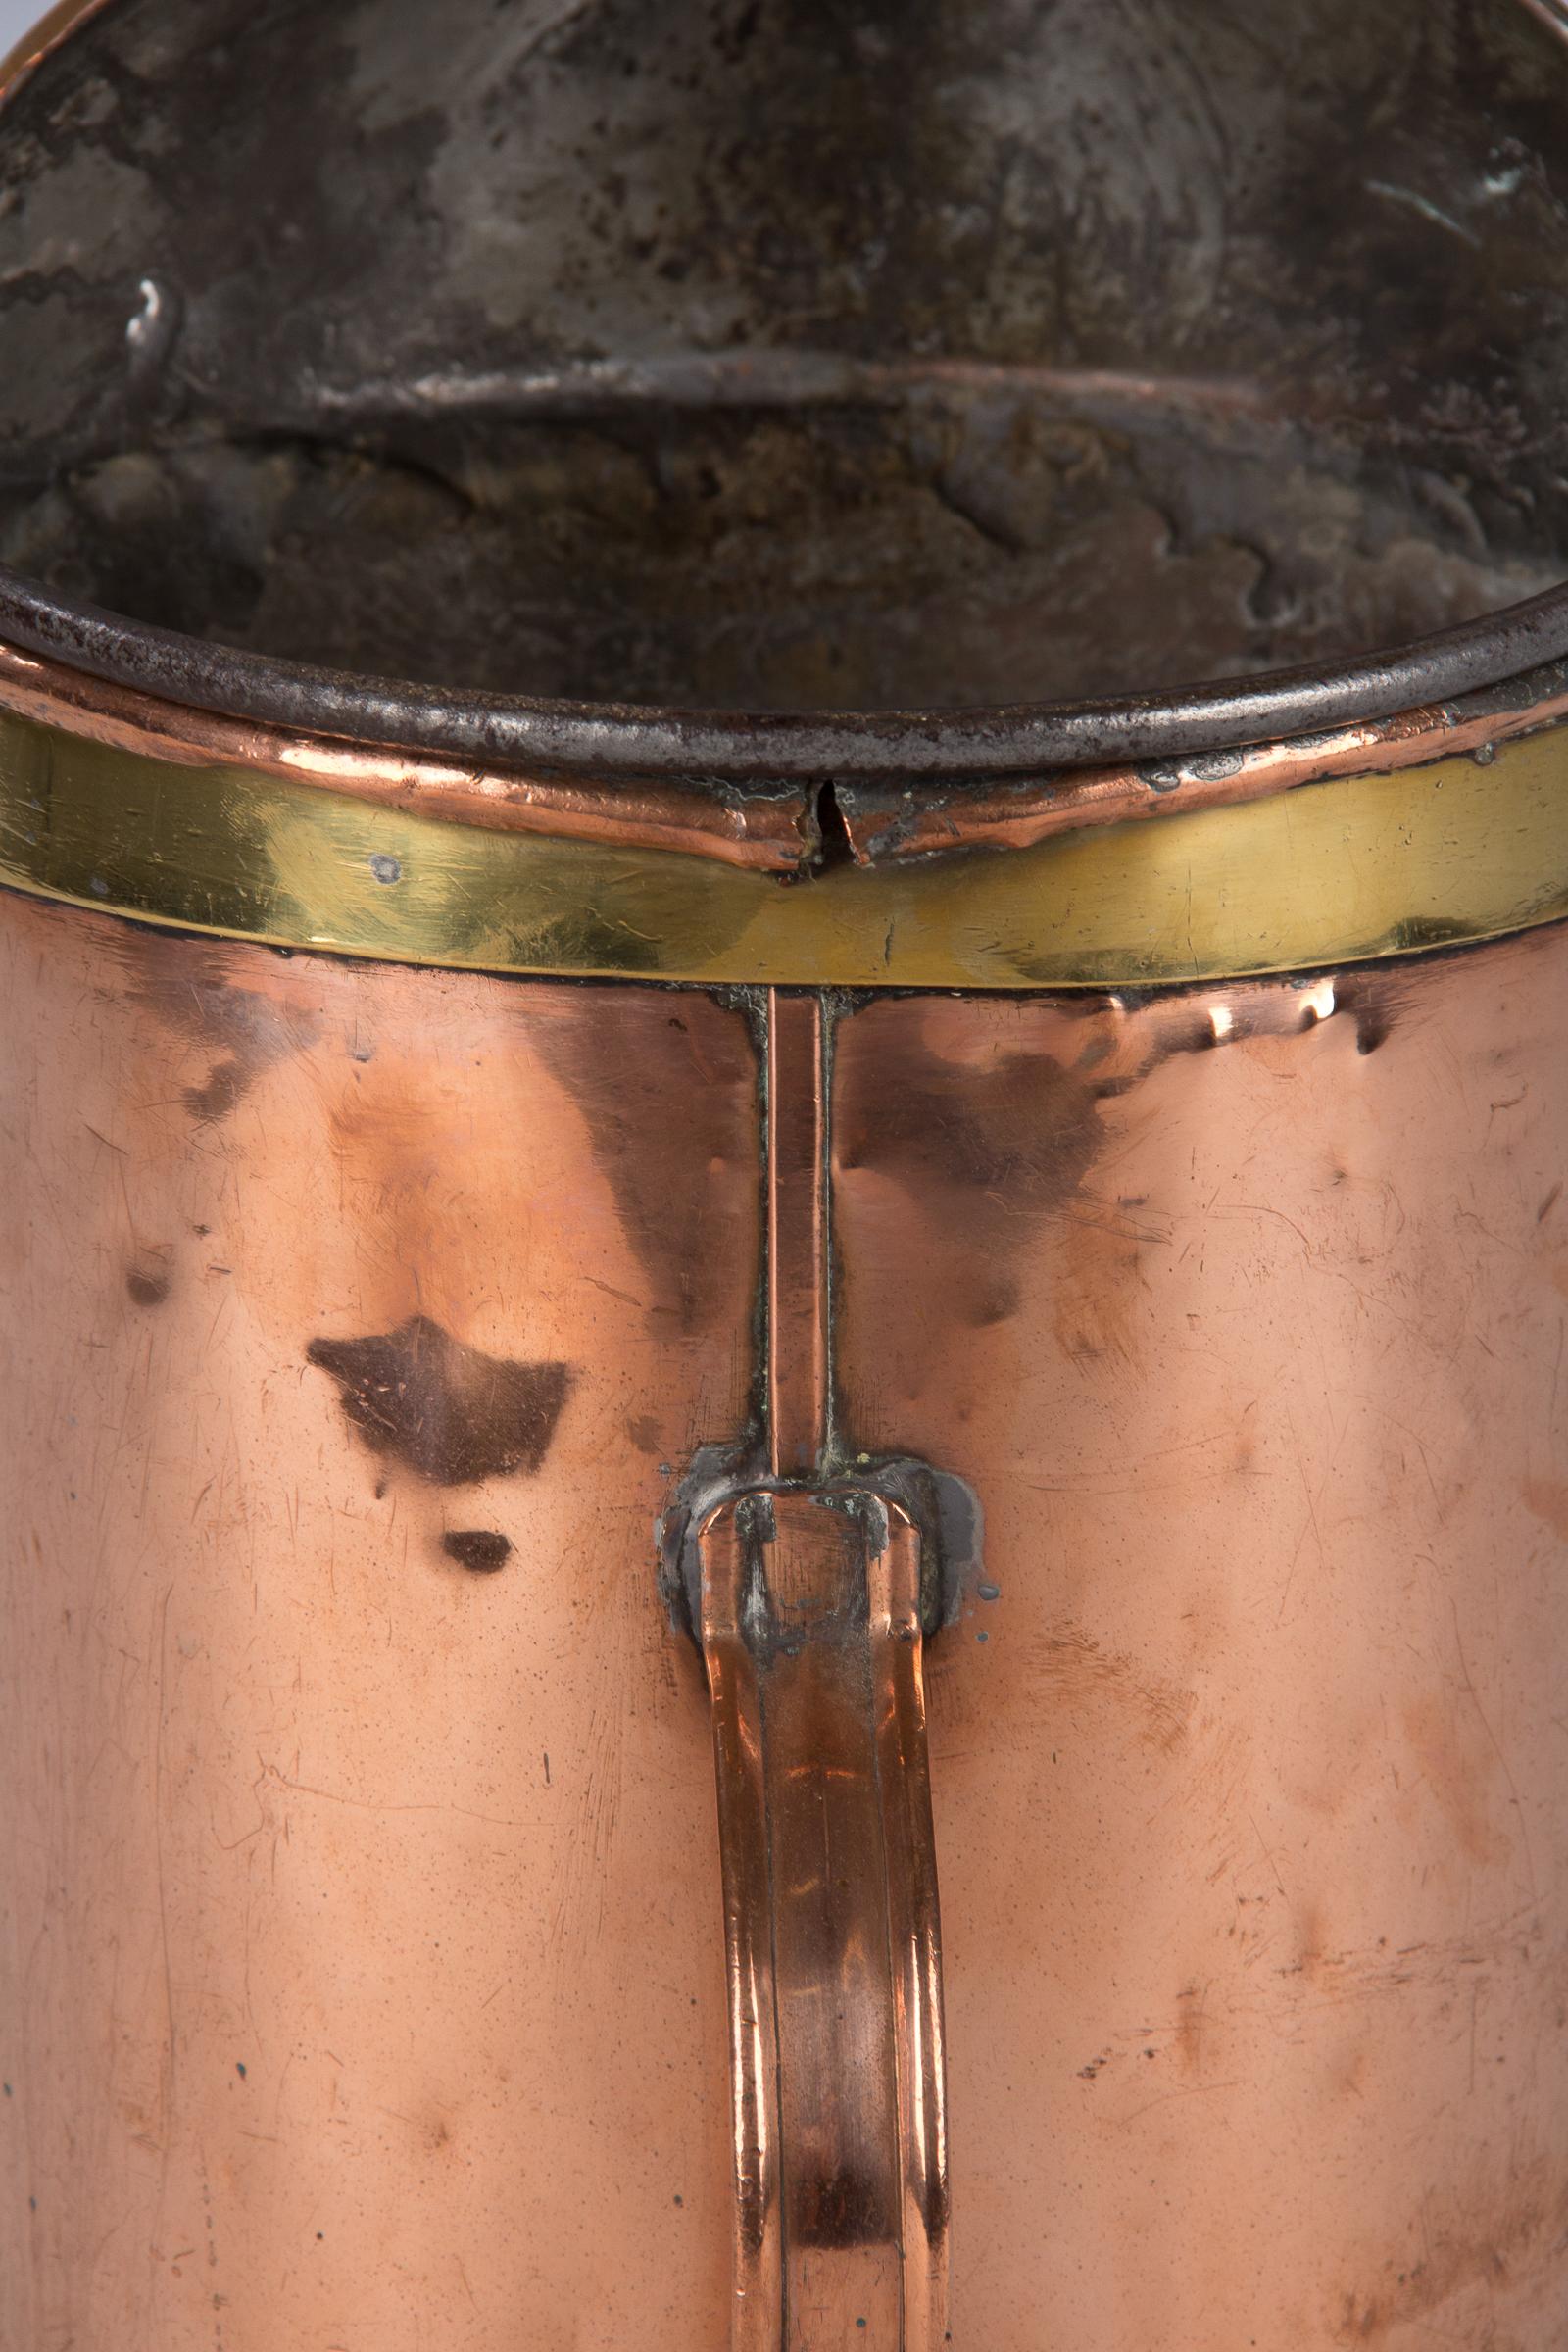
1342 870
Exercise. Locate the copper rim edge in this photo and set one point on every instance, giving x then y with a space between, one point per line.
55 26
778 831
773 832
1342 870
1016 816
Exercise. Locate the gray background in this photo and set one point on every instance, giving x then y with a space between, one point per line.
17 16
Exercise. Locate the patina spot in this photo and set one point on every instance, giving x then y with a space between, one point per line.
187 983
481 1548
450 1413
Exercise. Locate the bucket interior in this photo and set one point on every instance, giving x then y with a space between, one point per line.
782 356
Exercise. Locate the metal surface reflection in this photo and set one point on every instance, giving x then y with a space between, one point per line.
364 1977
1243 1310
811 1605
1240 1309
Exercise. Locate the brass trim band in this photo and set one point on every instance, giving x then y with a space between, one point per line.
1341 871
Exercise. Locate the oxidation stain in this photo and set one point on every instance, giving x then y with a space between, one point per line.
842 2208
1458 1772
147 1288
186 983
995 1301
671 1099
1548 1499
447 1411
1504 2236
915 1102
1014 1140
481 1548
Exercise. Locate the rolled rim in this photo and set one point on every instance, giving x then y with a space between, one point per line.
742 748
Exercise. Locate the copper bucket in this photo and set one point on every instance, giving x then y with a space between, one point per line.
801 1157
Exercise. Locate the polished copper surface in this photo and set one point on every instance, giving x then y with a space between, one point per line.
1244 1311
361 1982
788 1178
364 1959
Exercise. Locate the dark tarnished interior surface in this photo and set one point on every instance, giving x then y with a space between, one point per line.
776 355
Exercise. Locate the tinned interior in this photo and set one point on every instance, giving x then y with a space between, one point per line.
791 354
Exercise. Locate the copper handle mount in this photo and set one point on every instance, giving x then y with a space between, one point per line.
810 1625
810 1586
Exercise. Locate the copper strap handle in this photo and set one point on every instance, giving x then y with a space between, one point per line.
812 1634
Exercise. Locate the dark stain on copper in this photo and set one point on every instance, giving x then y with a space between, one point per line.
447 1411
186 983
481 1548
218 1098
995 1301
671 1102
148 1288
842 2208
1018 1136
1507 2230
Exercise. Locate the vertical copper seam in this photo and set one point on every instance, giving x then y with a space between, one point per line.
798 1336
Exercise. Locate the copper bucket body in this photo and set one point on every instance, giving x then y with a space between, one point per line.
992 1289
